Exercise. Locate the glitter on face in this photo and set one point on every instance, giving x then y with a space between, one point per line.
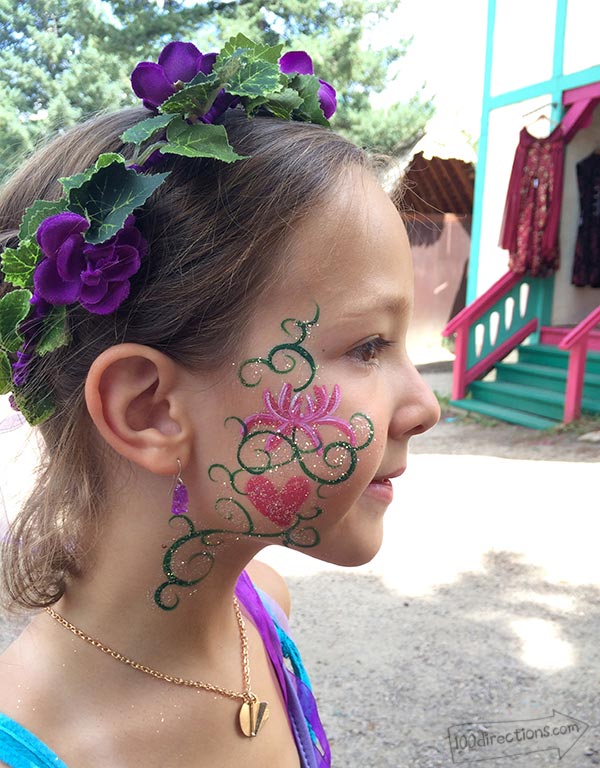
297 430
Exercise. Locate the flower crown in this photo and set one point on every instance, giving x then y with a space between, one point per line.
84 248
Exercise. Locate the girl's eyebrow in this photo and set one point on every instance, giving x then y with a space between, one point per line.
392 304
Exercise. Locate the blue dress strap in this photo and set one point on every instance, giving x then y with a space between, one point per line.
19 748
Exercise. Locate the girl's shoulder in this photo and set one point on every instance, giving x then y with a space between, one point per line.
21 685
268 580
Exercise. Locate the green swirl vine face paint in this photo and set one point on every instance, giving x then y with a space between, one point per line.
287 454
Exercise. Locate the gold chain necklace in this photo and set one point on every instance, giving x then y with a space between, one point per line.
253 713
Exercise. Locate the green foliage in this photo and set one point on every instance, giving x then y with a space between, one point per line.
61 60
197 96
18 264
147 129
308 88
5 374
109 194
36 407
254 79
55 332
14 308
199 140
392 130
36 213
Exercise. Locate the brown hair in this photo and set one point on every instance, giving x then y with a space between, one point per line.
215 233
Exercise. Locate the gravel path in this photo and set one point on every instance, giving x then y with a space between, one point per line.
482 606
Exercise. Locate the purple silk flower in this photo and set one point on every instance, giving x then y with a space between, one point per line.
96 276
31 330
301 63
177 63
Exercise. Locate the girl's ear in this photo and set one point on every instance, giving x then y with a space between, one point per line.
136 399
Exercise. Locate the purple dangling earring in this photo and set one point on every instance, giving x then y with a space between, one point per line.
179 504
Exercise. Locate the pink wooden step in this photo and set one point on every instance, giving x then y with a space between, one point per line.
553 335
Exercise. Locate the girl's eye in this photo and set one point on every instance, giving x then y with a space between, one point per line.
369 351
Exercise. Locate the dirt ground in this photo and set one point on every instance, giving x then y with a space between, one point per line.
460 433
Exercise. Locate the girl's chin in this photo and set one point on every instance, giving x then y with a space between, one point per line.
350 554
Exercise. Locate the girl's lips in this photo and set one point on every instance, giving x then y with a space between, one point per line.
381 488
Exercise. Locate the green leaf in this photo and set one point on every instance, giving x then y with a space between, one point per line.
145 130
14 308
18 264
5 374
76 181
35 407
283 104
108 197
36 213
202 79
272 53
55 333
253 51
239 53
252 106
234 44
193 99
199 140
257 78
307 87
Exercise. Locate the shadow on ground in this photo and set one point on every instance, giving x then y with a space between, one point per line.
393 673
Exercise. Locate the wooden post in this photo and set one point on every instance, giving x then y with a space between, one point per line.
575 377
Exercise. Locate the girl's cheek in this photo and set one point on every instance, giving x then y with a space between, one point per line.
298 446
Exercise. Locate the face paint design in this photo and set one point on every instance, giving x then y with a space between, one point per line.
281 507
298 430
285 358
291 416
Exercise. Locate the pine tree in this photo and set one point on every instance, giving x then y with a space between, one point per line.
61 60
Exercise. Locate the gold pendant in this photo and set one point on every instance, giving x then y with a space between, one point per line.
252 716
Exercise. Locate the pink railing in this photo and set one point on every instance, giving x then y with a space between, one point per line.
493 325
576 343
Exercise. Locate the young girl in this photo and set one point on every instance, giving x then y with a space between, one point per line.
208 324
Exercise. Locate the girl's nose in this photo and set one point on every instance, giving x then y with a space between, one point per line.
417 408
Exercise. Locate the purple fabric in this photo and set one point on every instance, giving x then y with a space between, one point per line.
178 62
328 98
249 598
31 330
300 62
96 276
300 702
296 61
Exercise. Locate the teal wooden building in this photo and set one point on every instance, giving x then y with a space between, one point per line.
528 347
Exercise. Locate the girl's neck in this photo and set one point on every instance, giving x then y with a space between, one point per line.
113 600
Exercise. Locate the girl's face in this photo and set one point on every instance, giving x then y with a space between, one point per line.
297 444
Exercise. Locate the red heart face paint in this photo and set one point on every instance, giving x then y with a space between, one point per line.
280 507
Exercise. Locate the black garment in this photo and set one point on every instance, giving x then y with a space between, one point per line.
586 264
